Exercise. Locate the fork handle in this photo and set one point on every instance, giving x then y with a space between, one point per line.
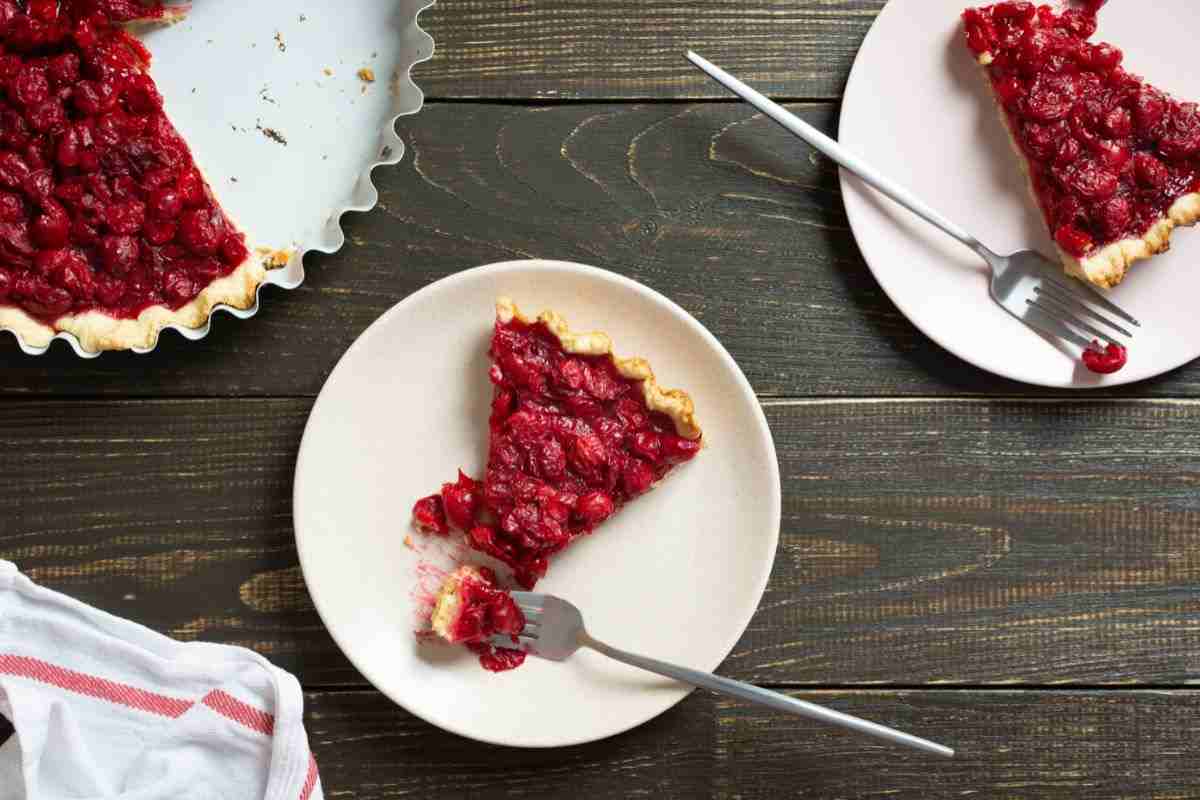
838 153
765 697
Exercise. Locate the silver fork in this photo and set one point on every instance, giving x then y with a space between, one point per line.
554 630
1026 284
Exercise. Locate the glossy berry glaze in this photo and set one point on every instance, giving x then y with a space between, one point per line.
1108 153
1105 360
102 207
485 611
572 441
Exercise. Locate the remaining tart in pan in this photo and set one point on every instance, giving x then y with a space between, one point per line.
108 229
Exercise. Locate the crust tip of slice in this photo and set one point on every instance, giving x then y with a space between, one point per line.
675 403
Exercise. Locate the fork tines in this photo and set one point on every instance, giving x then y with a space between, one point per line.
1064 303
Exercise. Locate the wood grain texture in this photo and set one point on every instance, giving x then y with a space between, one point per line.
710 204
968 542
607 49
1097 745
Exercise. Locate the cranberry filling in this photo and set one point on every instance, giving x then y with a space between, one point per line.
101 204
457 505
486 611
1105 360
429 514
572 440
1108 153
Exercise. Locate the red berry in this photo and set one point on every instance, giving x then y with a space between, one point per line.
551 461
52 227
594 507
1080 24
429 515
29 86
1091 182
647 444
1113 215
1014 12
84 232
1148 110
1102 57
981 32
1036 46
119 253
1150 172
158 232
676 449
13 170
125 217
47 117
462 501
233 250
1010 91
202 230
1041 141
39 185
1105 360
74 275
588 453
1118 123
165 203
8 12
637 477
1051 98
12 208
1068 152
206 270
191 188
94 97
1073 240
109 290
141 97
178 287
64 69
1113 155
69 149
1181 137
49 301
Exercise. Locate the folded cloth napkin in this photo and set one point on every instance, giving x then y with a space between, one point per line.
105 708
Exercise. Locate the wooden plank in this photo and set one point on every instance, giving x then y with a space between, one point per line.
1099 745
608 49
714 206
966 542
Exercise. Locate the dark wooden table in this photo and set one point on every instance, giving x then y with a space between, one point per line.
1008 570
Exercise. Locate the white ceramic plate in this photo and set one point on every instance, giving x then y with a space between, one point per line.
231 71
917 108
677 574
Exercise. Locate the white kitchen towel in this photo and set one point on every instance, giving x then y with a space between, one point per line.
105 708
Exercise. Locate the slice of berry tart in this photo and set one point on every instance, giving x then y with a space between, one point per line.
1113 162
108 229
470 609
575 433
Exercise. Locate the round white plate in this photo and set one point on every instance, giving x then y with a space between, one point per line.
676 574
917 108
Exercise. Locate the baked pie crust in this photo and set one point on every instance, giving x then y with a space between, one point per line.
96 329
